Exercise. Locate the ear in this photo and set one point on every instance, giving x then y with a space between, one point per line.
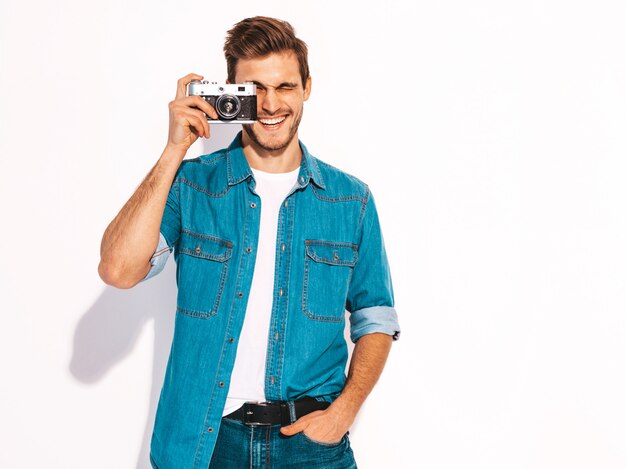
307 88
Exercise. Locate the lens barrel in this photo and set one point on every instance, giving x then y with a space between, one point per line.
228 106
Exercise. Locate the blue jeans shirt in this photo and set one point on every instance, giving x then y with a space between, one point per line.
330 257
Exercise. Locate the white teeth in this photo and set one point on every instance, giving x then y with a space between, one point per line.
272 121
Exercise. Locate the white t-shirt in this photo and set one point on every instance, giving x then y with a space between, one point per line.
247 381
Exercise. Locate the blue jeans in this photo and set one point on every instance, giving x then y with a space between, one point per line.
243 446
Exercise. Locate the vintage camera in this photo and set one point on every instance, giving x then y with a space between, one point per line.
234 103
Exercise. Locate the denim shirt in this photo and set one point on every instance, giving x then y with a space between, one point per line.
330 258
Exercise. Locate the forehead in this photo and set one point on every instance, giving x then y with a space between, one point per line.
272 69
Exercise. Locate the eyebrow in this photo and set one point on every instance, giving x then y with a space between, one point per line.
287 84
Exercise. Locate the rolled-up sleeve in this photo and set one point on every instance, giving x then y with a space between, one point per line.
169 233
159 258
370 295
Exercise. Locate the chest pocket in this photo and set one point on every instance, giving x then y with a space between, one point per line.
327 271
203 264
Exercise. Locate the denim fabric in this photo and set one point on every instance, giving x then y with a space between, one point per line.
330 257
242 446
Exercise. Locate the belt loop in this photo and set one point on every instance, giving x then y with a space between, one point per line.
292 411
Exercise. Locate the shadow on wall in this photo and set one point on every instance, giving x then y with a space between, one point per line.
107 332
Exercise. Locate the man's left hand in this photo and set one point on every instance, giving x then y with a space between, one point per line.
325 426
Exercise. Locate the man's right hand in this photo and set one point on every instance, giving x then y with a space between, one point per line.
187 116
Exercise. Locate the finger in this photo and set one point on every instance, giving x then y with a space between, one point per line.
185 114
294 428
181 87
200 103
206 107
205 124
196 125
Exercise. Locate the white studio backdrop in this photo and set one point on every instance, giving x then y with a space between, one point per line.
492 136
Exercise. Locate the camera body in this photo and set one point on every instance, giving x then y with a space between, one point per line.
234 103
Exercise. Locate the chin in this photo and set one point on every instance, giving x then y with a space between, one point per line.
268 142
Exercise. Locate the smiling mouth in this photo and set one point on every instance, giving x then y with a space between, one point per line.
273 122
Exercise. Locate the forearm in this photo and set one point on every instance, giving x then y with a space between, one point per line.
367 363
131 238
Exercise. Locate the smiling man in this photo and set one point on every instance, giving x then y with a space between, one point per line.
272 246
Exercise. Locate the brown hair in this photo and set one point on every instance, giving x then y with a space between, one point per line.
259 36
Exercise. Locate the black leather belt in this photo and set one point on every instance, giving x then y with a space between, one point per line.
275 413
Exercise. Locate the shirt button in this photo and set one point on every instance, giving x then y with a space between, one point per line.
280 292
198 249
210 429
248 250
240 294
283 247
221 384
231 340
286 203
301 178
253 205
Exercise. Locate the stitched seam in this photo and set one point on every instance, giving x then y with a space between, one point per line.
201 255
251 446
317 171
324 260
275 305
196 314
231 179
308 313
195 186
267 447
341 198
319 443
229 168
363 207
209 237
218 298
158 253
220 156
331 244
285 315
220 288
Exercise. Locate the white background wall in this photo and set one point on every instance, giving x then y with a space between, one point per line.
492 135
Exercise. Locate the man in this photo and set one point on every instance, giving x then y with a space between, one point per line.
272 246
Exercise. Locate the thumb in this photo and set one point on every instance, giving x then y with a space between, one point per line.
294 428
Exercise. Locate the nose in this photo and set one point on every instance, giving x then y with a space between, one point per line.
271 102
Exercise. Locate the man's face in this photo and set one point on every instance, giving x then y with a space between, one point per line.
280 98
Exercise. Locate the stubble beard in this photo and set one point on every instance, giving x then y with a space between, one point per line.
277 146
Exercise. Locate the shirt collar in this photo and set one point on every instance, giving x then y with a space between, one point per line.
239 169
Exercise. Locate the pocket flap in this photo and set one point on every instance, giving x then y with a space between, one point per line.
333 253
205 246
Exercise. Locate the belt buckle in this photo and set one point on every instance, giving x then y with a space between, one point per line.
248 414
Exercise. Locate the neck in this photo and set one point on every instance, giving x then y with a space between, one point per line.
279 161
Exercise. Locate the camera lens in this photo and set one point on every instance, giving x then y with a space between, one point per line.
227 106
